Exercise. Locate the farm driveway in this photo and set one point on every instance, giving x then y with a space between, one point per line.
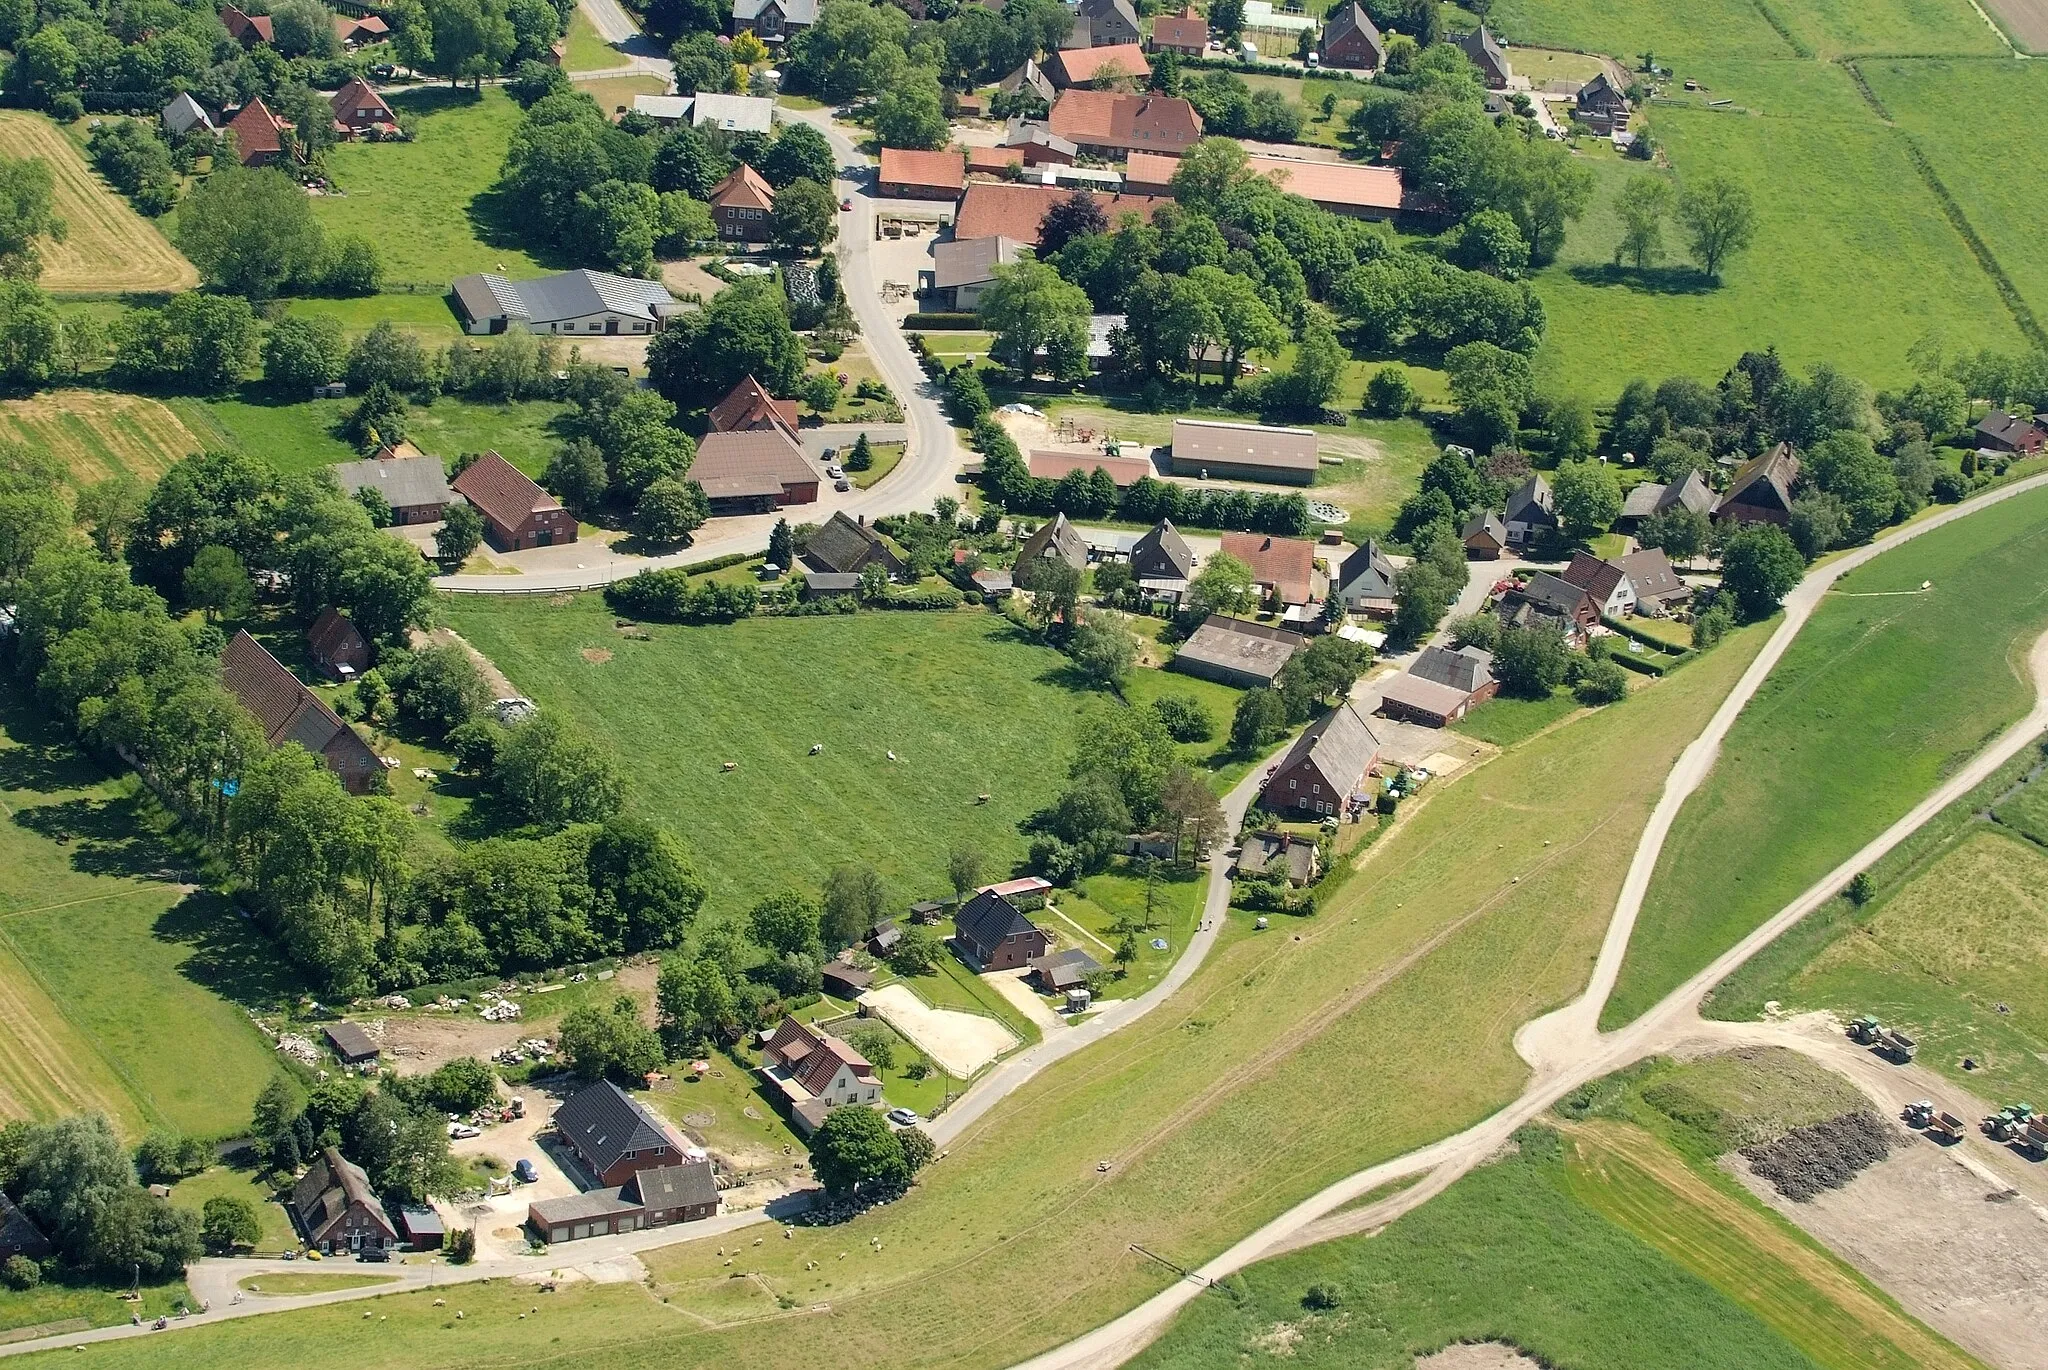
1010 984
961 1043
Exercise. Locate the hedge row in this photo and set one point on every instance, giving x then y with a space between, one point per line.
943 322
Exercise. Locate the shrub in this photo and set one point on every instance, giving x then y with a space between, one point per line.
1184 718
462 1246
21 1273
1321 1298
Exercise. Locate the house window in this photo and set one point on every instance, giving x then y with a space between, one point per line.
1291 785
1316 788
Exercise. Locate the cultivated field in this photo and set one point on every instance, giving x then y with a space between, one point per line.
1880 695
1745 29
968 705
1213 1113
108 247
111 977
427 204
98 433
2025 20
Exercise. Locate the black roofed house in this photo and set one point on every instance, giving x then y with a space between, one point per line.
336 1209
1325 766
1365 582
773 21
1059 971
1351 39
1485 51
336 646
1236 651
1761 489
19 1236
848 547
1602 105
289 712
615 1134
416 487
1162 563
1485 536
354 1046
1531 512
995 935
1999 431
1055 540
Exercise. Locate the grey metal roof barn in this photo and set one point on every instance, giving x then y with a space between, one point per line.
972 261
544 300
404 482
1236 651
1249 447
733 113
183 114
1468 668
603 1123
351 1043
1366 576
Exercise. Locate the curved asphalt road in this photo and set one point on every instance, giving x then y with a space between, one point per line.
1565 1048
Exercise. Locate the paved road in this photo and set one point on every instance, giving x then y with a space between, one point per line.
933 456
616 27
1565 1048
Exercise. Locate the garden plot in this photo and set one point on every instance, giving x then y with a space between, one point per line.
959 1043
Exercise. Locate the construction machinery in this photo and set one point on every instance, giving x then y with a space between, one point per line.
1946 1127
1897 1045
1865 1031
1920 1113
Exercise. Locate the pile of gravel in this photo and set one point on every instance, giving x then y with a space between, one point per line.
1825 1155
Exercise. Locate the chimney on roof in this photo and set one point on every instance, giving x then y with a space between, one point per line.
863 519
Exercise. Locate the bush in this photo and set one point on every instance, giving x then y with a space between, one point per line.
942 322
1603 683
462 1246
21 1273
1321 1298
1184 718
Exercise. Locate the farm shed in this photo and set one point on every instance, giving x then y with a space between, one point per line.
354 1046
1236 651
1243 451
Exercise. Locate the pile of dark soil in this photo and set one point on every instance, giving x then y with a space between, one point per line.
1824 1155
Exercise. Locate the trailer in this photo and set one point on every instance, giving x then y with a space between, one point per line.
1946 1127
1897 1045
2009 1122
2034 1141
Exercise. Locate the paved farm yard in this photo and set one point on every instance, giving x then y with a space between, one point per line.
966 702
959 1043
107 246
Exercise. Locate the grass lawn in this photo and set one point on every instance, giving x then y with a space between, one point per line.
309 1282
957 346
1505 720
1942 955
1980 171
1238 1119
1120 893
1826 280
717 1107
108 248
1147 685
615 94
227 1181
299 435
886 456
67 1304
1511 1253
426 312
428 204
105 962
967 703
1880 696
586 48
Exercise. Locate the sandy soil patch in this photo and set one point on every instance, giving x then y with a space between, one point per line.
596 656
1010 984
501 688
1957 1248
961 1043
688 278
1478 1355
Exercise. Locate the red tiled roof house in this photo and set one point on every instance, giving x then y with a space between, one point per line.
259 134
910 175
360 111
517 513
289 712
743 206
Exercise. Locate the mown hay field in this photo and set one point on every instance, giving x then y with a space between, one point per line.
107 247
99 434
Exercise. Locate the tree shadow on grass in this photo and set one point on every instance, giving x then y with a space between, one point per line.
500 221
423 101
107 837
225 953
42 760
1655 280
